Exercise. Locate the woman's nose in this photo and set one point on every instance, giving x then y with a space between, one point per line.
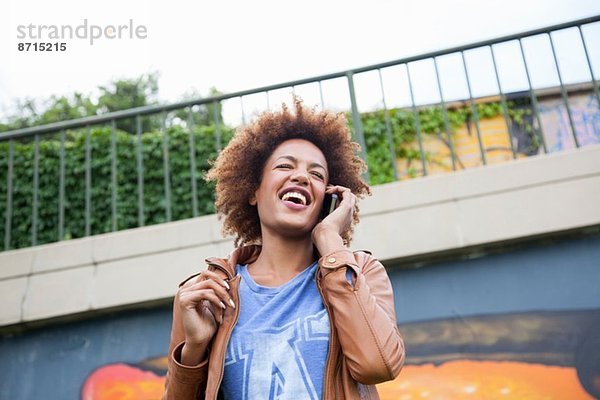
301 177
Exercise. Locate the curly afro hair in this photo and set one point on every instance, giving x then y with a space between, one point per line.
238 169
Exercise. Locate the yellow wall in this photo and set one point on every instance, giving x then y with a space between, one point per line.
494 136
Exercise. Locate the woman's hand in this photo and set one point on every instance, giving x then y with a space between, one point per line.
202 302
327 234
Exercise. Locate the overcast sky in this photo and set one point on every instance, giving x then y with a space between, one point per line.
243 44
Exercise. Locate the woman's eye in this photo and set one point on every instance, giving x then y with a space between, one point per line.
285 166
318 175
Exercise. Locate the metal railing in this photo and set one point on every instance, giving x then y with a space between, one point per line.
409 97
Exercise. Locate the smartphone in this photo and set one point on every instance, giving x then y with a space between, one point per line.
329 204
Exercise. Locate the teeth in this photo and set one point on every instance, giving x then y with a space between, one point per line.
294 195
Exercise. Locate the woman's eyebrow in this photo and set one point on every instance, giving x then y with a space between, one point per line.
294 159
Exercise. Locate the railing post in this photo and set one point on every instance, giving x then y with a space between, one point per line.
61 188
217 121
444 115
534 104
88 182
473 109
9 190
388 129
356 122
503 103
242 107
166 171
140 169
113 173
192 144
563 91
589 63
321 95
36 178
417 122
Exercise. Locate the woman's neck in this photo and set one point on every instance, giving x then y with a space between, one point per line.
281 259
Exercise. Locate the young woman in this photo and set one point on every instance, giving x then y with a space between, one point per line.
292 313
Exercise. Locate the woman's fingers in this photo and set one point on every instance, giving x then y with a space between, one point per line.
341 217
212 285
202 301
346 196
206 290
192 299
207 274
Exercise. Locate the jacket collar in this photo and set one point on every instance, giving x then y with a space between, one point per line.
240 255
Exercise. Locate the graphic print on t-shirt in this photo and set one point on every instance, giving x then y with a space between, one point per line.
276 361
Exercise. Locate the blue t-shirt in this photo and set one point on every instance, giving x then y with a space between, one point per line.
279 346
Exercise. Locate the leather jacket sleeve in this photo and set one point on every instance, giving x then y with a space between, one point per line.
363 314
182 382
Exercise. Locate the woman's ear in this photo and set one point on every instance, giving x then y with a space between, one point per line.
252 200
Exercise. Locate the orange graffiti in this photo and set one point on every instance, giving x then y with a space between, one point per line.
123 382
484 380
451 380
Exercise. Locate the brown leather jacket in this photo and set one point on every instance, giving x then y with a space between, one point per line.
365 345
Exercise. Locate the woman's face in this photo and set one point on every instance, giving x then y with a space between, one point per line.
290 195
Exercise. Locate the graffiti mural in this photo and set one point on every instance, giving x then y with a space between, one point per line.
493 137
537 355
557 127
126 382
543 355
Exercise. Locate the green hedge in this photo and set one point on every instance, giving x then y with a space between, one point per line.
101 179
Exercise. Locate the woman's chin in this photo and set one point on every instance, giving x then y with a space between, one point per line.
295 229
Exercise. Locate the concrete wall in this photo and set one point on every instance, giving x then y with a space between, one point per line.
403 220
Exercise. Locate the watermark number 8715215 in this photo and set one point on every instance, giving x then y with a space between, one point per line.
41 46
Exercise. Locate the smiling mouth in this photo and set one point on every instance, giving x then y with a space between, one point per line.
294 197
